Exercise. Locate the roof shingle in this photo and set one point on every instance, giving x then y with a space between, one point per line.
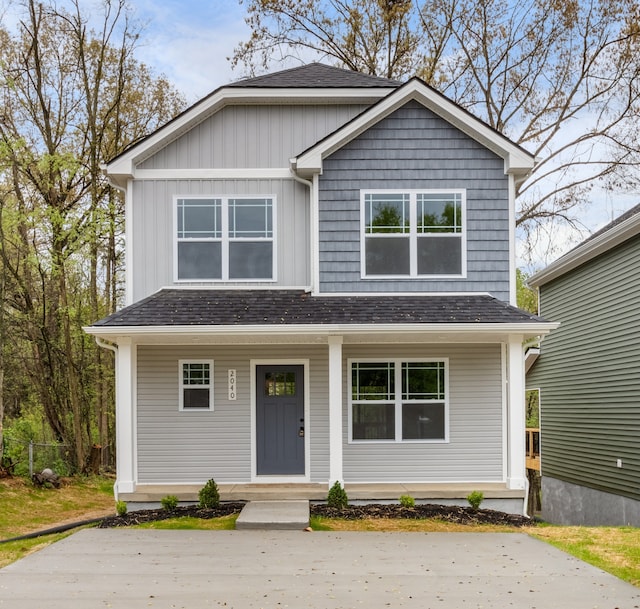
315 75
208 307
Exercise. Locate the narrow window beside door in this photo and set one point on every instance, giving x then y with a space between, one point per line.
196 385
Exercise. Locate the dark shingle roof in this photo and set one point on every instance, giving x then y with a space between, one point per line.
207 307
619 220
315 75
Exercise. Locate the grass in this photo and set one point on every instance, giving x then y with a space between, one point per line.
612 549
402 525
25 509
225 523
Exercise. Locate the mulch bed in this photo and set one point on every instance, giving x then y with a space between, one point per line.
194 511
447 513
454 514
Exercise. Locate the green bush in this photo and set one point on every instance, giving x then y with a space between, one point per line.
121 508
170 502
209 495
475 499
407 501
337 497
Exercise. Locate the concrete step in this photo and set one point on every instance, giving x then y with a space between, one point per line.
274 515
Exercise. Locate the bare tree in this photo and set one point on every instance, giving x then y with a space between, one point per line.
374 37
559 78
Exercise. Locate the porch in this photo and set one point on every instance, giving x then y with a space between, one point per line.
455 493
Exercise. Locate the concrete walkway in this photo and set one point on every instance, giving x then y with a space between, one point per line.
274 515
135 569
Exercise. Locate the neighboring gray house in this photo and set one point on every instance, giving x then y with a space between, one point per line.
320 280
588 375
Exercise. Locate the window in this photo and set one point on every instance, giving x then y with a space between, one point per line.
399 400
196 385
279 384
413 233
225 238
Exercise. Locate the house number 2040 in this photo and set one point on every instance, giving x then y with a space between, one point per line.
232 384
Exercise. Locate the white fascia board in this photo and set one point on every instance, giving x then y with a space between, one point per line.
517 160
526 330
530 357
587 251
124 165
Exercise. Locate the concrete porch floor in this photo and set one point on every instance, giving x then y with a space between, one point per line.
151 493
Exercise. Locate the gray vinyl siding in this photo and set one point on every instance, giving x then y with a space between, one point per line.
153 229
191 447
252 136
475 448
589 374
413 148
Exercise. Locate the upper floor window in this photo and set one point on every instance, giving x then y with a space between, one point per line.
413 233
225 238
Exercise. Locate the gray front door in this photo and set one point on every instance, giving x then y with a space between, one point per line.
280 420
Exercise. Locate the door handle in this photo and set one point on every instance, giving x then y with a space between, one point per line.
301 432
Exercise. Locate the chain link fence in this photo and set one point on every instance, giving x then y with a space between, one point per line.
24 458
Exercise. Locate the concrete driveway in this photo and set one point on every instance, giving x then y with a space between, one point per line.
132 569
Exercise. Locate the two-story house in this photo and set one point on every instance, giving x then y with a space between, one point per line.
320 284
588 379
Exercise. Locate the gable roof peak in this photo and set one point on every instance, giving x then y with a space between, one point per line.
315 75
518 161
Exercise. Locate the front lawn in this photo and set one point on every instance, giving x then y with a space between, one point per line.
25 509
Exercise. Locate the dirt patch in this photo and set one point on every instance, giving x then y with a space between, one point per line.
454 514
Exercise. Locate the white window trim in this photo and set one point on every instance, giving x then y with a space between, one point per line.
397 401
225 240
182 386
413 232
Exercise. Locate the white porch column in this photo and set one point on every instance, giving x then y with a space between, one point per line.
335 409
516 468
125 423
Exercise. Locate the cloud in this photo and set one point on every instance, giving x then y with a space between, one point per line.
190 42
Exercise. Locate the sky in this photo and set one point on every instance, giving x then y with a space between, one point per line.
191 47
190 41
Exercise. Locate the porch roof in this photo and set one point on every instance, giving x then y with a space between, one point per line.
273 308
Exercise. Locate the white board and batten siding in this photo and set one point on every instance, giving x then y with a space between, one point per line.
258 136
191 447
154 229
238 138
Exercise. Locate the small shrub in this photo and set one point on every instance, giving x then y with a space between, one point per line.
337 497
407 501
121 508
475 499
209 495
170 502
